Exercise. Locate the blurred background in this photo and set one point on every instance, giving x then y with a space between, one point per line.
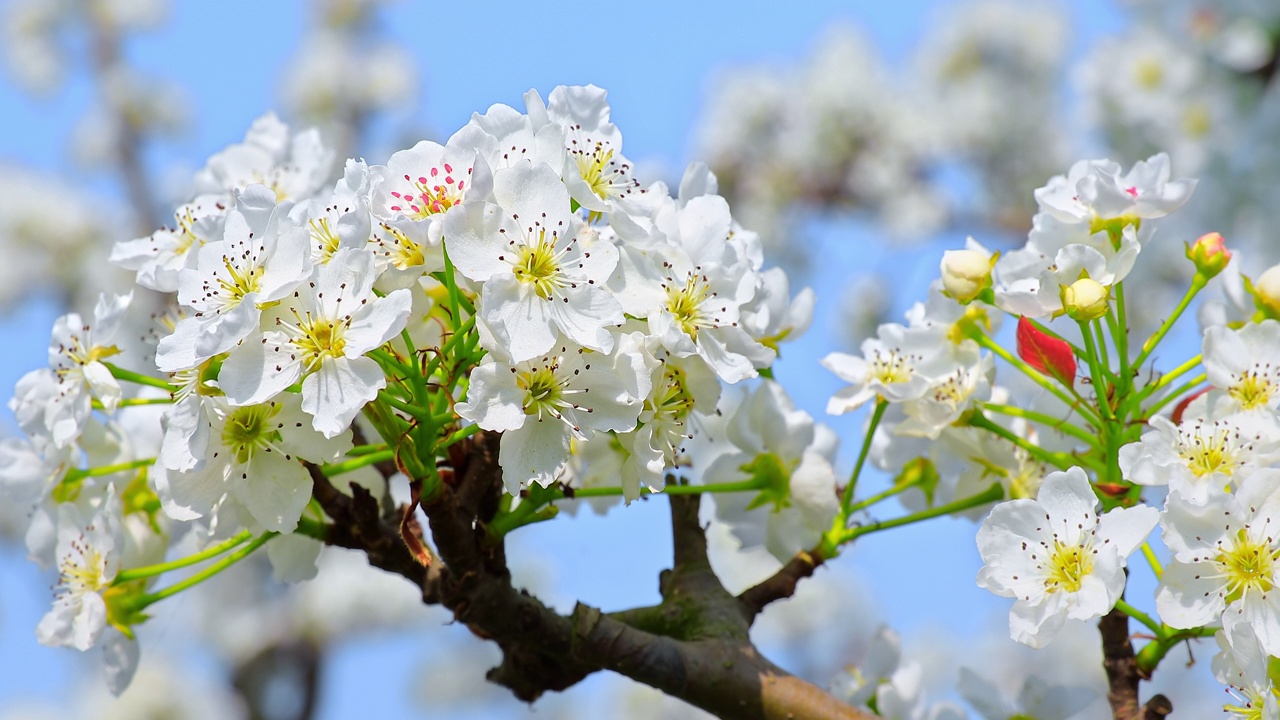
860 139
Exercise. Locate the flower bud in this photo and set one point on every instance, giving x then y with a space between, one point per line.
1266 292
1085 299
1209 253
966 273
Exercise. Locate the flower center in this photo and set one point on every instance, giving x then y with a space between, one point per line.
1209 452
1251 704
539 264
686 304
601 173
435 194
325 237
238 282
543 390
671 405
1068 566
318 339
249 429
83 570
1253 390
403 251
1247 564
891 367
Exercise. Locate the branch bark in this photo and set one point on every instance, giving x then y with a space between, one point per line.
694 645
1123 677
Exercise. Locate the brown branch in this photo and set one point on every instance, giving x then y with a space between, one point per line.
694 645
1123 676
298 663
780 585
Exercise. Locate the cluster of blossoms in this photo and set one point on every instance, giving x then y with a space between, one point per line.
1075 461
516 279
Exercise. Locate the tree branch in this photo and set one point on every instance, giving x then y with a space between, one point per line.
780 585
1123 676
694 645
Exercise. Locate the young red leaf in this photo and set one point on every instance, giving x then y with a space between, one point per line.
1045 353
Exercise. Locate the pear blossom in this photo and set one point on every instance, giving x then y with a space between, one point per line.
1057 557
540 405
1245 364
1226 560
1095 191
541 275
253 461
323 338
1242 665
340 219
858 682
967 272
425 182
516 139
1203 456
895 365
88 560
260 260
76 352
683 391
1037 698
293 166
595 171
785 450
159 258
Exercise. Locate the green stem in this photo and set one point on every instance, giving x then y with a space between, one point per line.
74 475
196 579
1048 421
1039 379
456 435
1120 333
1059 460
147 571
1140 616
879 497
1095 371
990 495
1197 284
404 407
1177 393
360 450
134 402
356 463
1153 561
846 498
1165 380
120 373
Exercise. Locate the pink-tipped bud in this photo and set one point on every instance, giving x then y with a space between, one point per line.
1209 254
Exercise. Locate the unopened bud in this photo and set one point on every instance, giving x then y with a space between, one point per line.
1085 299
966 273
1266 292
1209 253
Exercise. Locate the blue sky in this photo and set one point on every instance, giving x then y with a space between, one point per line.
657 60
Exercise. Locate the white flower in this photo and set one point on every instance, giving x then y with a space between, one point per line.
334 323
966 273
1226 560
253 458
781 447
1095 191
541 275
894 365
160 257
773 316
595 170
259 261
76 352
425 182
859 682
1036 699
1242 665
88 560
1202 457
1056 557
341 219
683 390
1245 364
540 405
292 166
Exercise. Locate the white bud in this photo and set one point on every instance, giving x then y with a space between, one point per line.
966 273
1086 299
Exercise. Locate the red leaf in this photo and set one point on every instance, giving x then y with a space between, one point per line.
1045 353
